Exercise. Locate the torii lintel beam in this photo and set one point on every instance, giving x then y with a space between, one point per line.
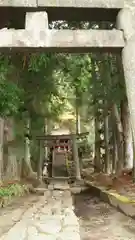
37 37
78 41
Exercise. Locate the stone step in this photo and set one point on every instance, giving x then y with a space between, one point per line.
79 189
58 185
40 190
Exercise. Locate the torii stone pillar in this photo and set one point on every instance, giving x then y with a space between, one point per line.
126 23
36 23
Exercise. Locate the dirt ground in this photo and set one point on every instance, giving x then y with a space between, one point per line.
11 214
99 221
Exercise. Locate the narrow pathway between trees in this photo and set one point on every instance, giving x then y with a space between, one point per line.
52 217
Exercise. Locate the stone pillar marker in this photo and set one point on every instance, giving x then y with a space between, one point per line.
36 23
126 23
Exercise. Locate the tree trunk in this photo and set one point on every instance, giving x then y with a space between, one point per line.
1 147
133 172
128 145
97 164
45 133
78 125
12 171
76 158
27 168
10 151
106 139
114 150
119 138
40 163
5 149
97 114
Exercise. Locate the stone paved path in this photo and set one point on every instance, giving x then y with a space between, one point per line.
10 215
99 221
50 218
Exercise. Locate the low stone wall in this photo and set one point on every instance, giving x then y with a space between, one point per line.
122 203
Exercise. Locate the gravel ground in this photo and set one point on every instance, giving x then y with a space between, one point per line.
99 221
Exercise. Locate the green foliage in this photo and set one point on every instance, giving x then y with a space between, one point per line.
10 98
13 190
40 61
10 93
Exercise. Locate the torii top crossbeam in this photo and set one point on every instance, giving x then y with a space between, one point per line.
91 10
68 3
63 136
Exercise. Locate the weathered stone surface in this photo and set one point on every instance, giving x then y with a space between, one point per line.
32 231
45 211
61 185
40 190
38 224
68 202
50 226
97 220
70 221
37 21
12 214
127 26
18 3
62 40
113 201
57 194
40 236
80 10
81 3
127 208
67 235
18 231
47 194
128 59
70 3
86 3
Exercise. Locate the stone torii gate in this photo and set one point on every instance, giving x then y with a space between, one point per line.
36 35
